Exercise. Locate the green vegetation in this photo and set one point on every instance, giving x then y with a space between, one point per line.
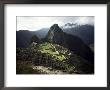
50 49
38 58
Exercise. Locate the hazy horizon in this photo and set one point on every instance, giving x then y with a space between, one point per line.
34 23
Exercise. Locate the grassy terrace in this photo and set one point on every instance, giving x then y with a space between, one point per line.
50 49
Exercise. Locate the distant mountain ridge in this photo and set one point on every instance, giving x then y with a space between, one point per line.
85 32
23 36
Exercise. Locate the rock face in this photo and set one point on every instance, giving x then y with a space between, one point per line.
56 35
74 43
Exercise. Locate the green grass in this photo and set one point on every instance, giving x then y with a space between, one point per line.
48 48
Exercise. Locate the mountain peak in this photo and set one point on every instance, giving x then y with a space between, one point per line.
55 34
55 25
55 28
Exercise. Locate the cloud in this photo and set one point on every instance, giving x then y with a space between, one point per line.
33 23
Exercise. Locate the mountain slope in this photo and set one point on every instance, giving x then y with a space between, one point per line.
23 36
56 35
85 32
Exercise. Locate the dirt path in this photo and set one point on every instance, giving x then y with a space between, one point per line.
47 70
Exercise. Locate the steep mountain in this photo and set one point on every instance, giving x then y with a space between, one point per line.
56 35
85 32
72 42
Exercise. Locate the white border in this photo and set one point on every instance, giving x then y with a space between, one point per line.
99 79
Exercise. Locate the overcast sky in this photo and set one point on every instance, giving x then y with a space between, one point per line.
35 23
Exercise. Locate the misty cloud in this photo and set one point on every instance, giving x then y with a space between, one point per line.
33 23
